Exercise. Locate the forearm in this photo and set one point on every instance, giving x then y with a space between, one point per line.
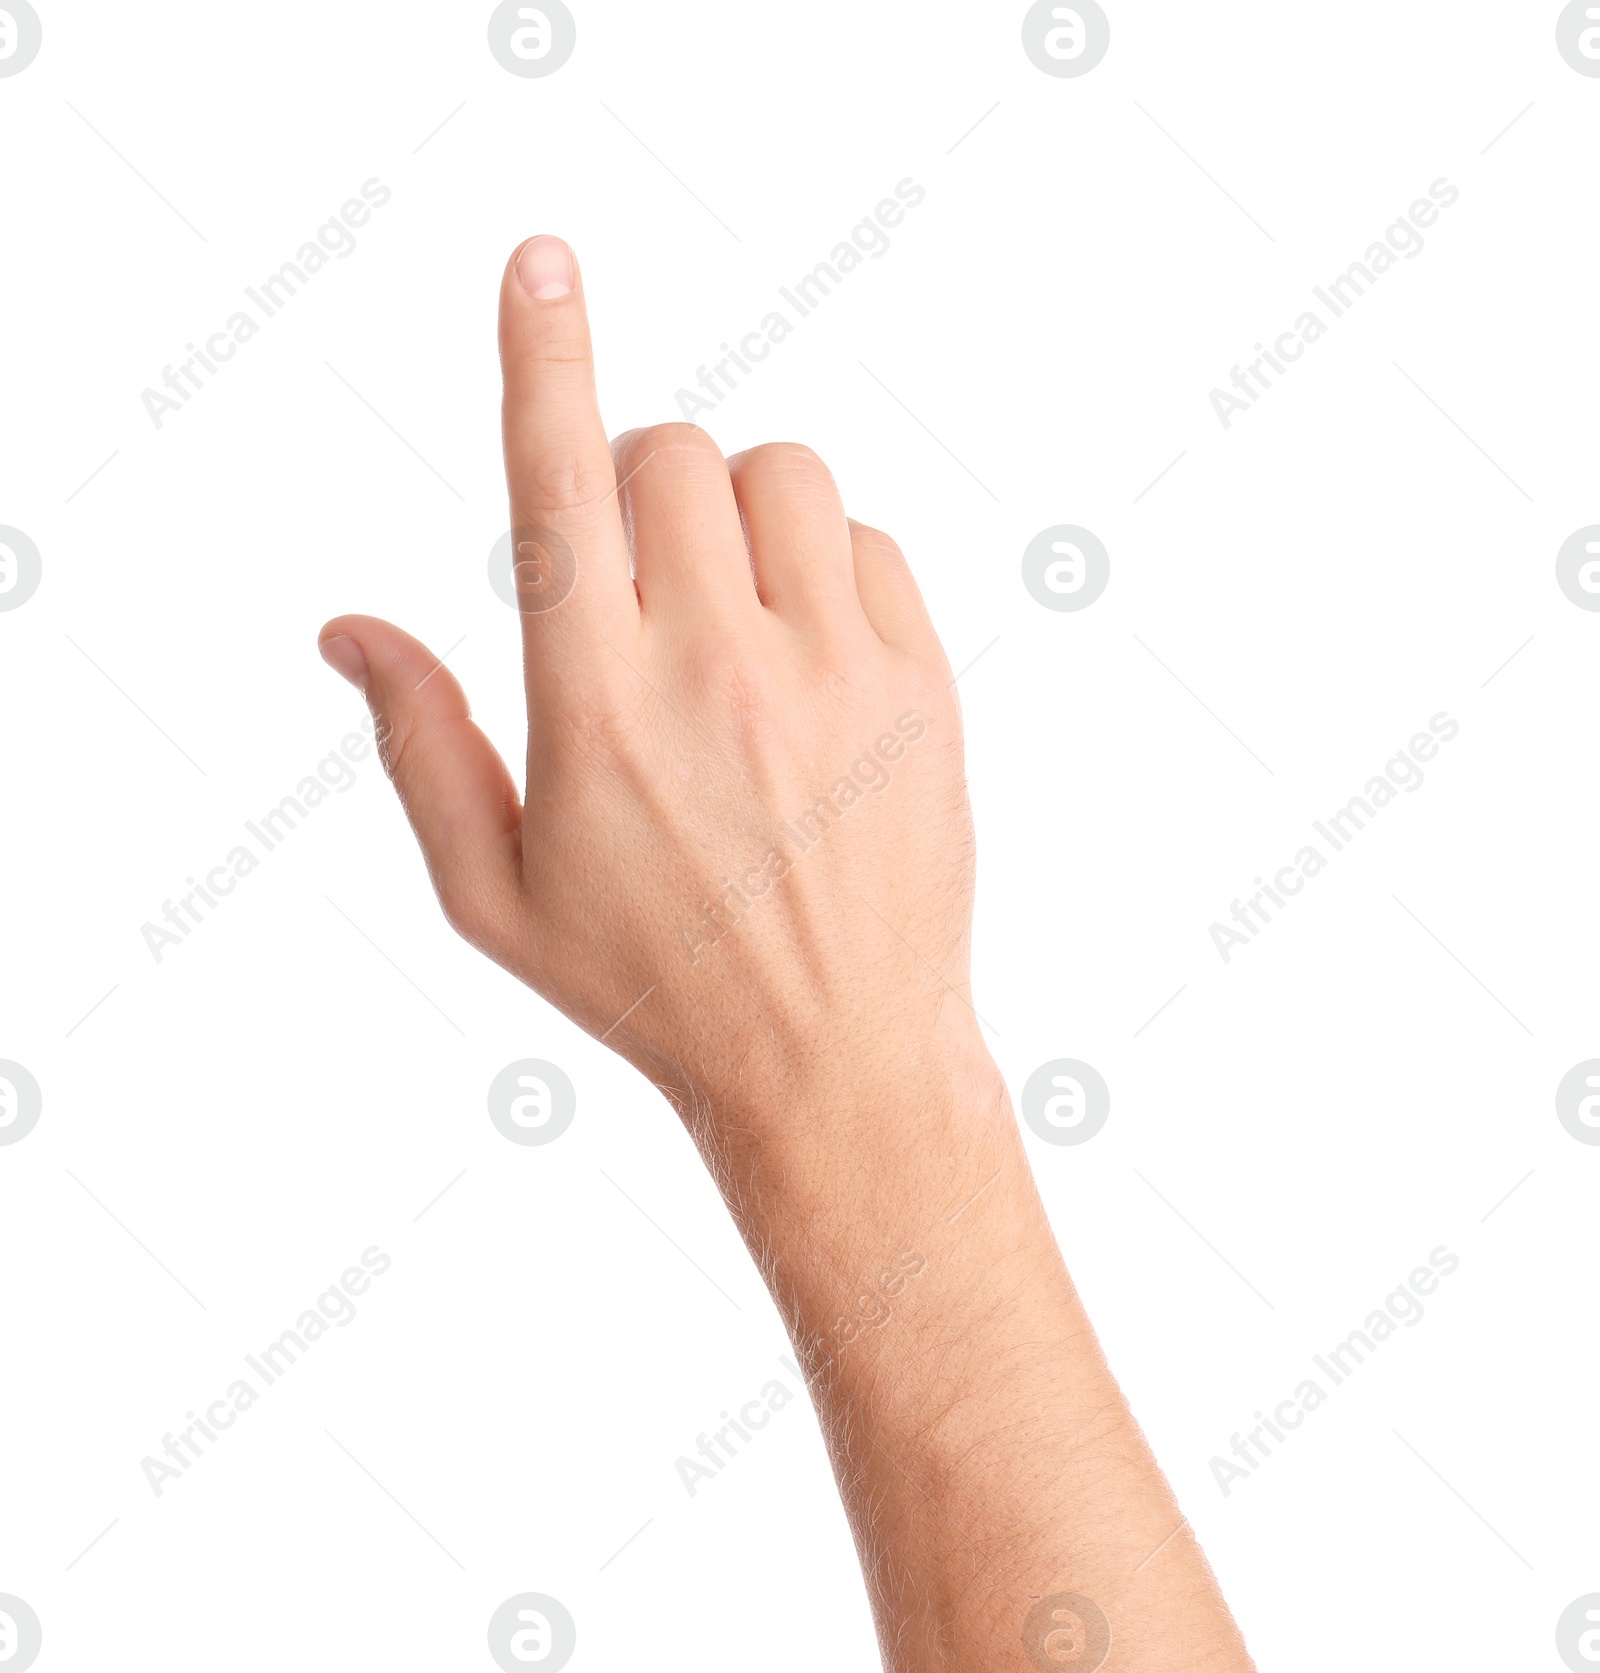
986 1457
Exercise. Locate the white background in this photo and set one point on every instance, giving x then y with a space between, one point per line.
1341 564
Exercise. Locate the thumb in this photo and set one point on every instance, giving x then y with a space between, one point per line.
461 801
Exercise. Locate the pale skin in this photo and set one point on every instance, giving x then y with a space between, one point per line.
727 648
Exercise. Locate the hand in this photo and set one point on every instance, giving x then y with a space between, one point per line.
745 850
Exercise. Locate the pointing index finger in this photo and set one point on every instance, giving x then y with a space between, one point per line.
559 468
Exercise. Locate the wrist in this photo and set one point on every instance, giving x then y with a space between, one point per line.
904 1193
862 1131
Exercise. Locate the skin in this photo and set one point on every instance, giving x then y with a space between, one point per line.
730 648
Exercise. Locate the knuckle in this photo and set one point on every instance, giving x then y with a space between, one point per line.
785 462
674 437
735 683
595 725
787 455
566 481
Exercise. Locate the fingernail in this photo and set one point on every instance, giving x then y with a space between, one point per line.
344 656
545 268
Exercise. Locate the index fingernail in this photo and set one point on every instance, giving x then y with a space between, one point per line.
545 268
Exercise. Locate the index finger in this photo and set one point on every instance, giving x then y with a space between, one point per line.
570 555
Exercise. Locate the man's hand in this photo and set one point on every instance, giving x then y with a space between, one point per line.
745 851
745 861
